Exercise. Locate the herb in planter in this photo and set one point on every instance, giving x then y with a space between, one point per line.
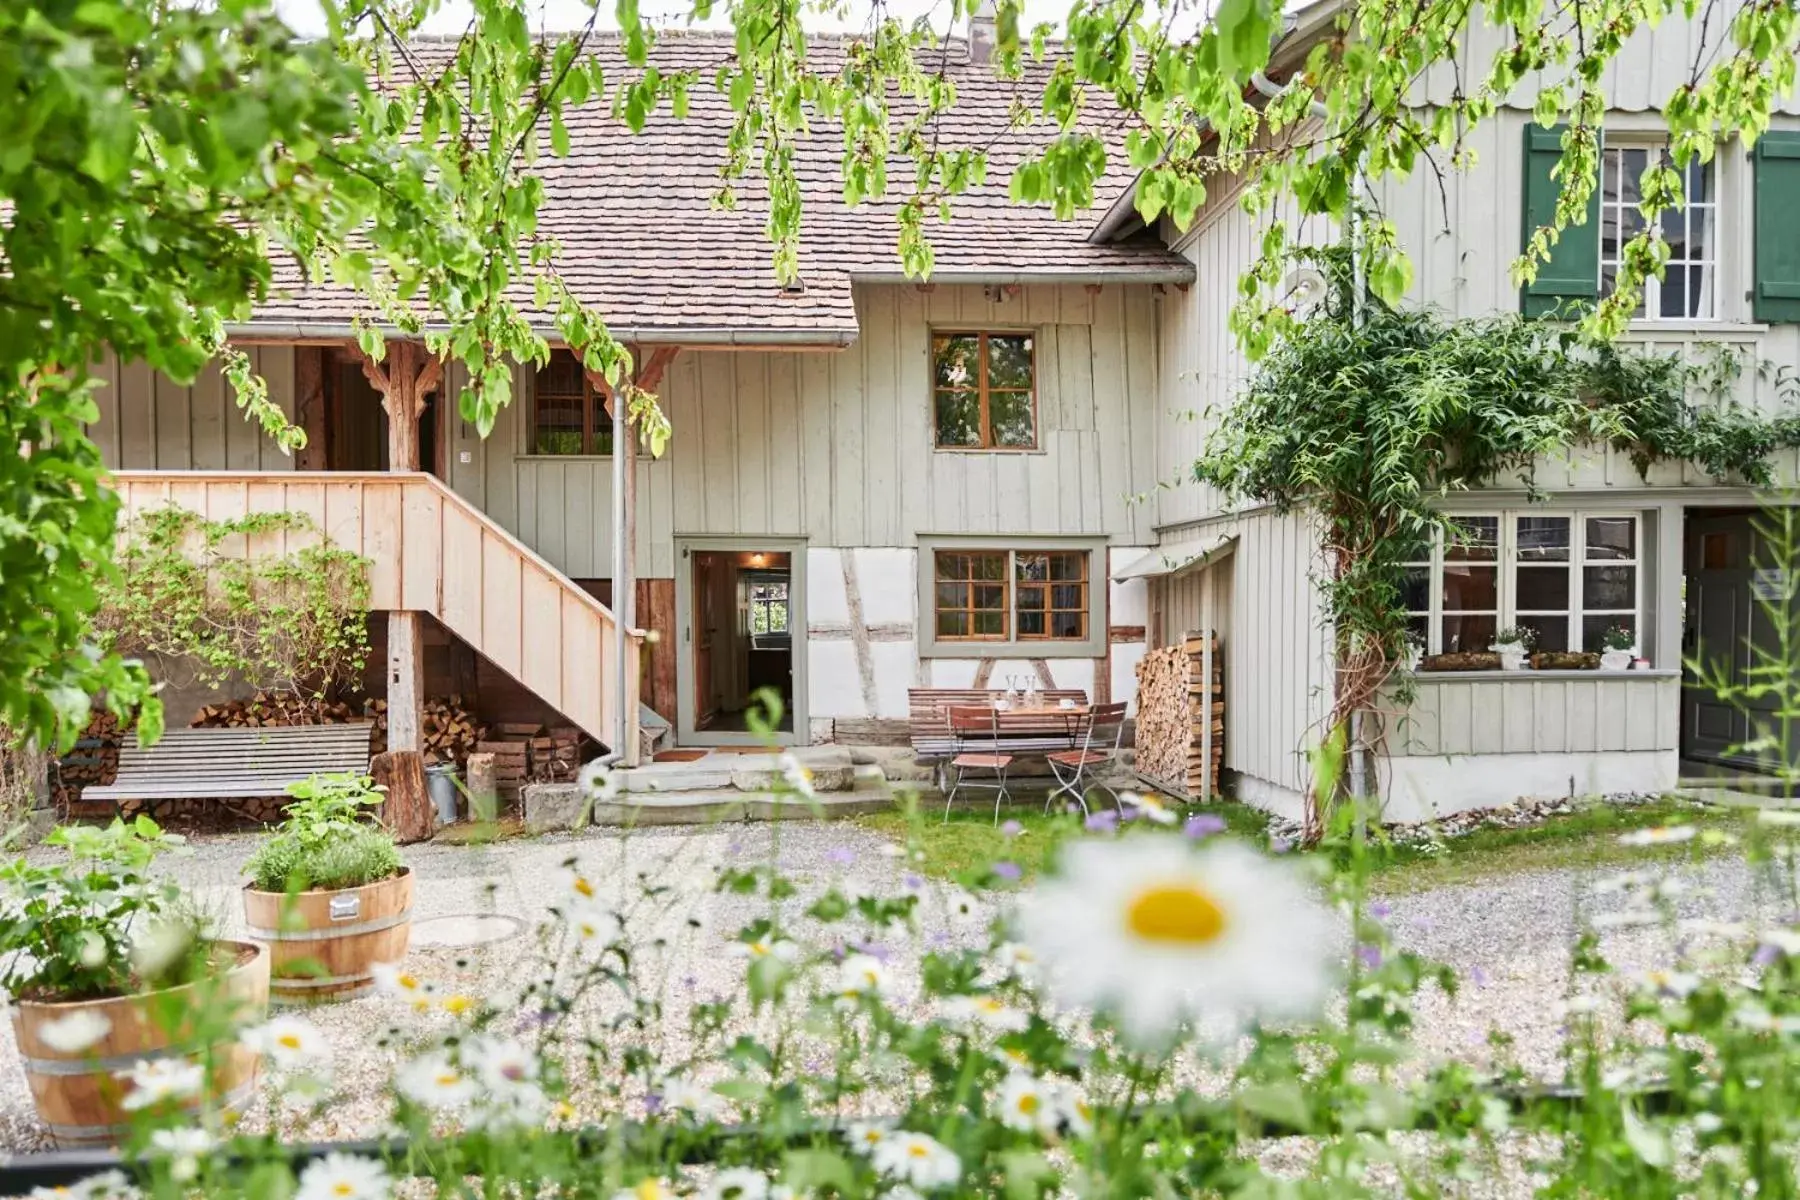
1515 635
96 924
328 840
1618 639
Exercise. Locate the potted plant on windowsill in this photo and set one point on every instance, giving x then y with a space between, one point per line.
1513 645
119 1003
1618 647
328 894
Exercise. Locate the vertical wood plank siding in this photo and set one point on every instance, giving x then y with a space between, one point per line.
148 422
1557 713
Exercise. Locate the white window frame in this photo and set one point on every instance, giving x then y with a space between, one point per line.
1692 211
1508 563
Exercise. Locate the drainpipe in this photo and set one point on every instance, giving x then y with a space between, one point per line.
621 634
1359 766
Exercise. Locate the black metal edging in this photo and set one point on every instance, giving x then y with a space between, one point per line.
19 1174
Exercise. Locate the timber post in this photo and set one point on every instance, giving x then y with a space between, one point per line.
404 378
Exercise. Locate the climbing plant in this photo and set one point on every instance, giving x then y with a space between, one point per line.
1369 425
207 600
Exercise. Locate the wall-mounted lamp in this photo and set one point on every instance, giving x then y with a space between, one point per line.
756 560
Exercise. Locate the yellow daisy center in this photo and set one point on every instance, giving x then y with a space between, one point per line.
1028 1103
448 1079
407 982
288 1041
343 1188
584 888
458 1004
988 1004
1175 912
918 1150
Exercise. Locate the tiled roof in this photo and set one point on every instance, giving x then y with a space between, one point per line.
642 241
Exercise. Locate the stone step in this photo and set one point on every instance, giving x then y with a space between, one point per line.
831 766
559 805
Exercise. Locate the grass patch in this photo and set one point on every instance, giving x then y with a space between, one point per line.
1587 838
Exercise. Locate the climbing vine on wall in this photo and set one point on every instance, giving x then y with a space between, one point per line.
265 599
1369 426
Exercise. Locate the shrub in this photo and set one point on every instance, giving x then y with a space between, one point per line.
327 840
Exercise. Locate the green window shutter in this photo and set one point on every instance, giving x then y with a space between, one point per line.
1573 272
1777 291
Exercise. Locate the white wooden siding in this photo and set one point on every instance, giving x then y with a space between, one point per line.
1550 712
837 446
163 425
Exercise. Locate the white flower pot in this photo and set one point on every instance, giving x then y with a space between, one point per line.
1615 660
1409 662
1512 657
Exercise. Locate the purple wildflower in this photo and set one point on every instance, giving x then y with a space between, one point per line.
1478 977
841 856
913 881
1011 829
1765 954
1369 956
1280 845
1102 822
1380 910
1007 870
653 1103
1203 825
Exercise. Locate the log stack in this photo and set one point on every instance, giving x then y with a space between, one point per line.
94 760
510 746
1176 704
448 732
275 708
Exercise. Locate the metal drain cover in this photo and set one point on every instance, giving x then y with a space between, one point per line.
464 929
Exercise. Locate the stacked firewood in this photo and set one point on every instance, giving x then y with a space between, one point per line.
448 732
1176 703
94 760
276 708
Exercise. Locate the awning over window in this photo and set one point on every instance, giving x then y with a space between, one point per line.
1177 557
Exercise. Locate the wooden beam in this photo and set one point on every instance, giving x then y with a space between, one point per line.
405 681
404 377
309 406
406 808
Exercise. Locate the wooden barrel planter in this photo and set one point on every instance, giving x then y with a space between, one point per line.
322 945
79 1095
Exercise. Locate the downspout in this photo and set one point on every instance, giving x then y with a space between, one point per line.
1359 764
621 632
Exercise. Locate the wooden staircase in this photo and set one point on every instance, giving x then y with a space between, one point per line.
433 552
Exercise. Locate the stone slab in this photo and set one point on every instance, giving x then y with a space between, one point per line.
551 806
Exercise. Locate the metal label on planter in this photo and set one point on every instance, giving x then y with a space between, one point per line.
346 908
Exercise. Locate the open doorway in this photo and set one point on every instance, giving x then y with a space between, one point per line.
356 424
742 619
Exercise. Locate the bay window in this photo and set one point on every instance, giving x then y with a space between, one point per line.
1568 577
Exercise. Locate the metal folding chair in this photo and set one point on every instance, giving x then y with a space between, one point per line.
1097 738
975 728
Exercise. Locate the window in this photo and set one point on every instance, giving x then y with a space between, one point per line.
768 605
567 415
1689 286
1568 577
984 391
1032 601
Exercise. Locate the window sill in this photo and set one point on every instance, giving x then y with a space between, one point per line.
1023 651
1526 676
1686 326
562 458
988 450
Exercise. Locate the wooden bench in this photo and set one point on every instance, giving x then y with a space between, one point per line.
233 764
928 722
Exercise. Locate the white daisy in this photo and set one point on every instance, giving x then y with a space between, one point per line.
583 889
344 1177
1707 927
1024 1103
1016 960
865 1136
594 924
156 1080
93 950
184 1149
391 979
1149 806
289 1043
516 1106
1158 930
1658 835
860 975
159 945
599 781
680 1094
737 1183
108 1185
796 774
74 1031
1577 1006
500 1063
963 909
646 1189
917 1159
434 1081
1678 984
987 1011
765 947
1072 1107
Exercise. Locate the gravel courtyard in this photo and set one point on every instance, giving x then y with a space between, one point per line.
1508 938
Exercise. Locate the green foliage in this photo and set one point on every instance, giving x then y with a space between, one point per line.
96 922
203 594
327 839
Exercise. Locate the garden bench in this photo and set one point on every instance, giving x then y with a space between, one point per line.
234 764
928 721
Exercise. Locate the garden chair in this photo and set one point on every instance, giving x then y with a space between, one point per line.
977 734
1097 738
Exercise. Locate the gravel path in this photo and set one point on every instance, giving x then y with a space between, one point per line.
1508 938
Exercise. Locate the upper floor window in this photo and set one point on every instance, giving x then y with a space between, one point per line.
567 415
1688 289
1568 577
985 390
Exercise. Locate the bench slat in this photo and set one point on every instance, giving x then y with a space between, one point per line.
252 762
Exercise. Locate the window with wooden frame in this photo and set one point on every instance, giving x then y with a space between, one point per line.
1011 595
984 390
568 417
